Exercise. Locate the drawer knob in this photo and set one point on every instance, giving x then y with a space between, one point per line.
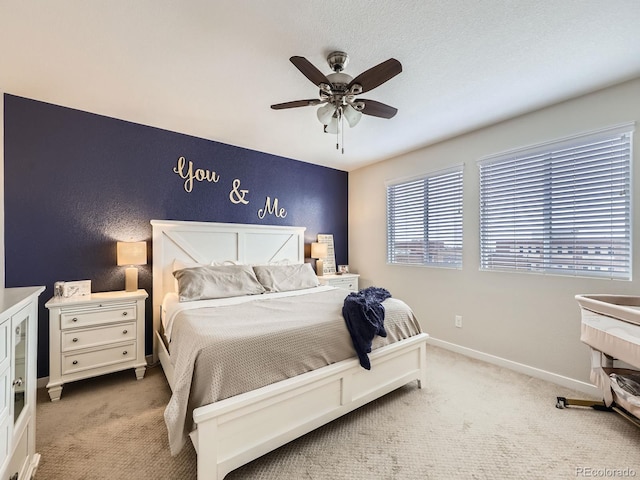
124 314
124 332
75 362
74 319
75 339
125 352
18 382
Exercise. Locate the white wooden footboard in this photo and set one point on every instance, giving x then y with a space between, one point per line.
234 431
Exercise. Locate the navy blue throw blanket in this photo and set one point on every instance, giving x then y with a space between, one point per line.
364 315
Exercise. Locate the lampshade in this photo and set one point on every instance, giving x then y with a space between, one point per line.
332 126
319 250
325 113
132 253
352 115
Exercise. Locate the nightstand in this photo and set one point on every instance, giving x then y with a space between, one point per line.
95 334
346 280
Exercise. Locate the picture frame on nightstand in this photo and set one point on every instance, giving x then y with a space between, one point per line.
342 269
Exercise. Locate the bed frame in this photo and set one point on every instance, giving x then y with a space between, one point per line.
236 430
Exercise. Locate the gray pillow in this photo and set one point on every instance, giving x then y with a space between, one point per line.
283 278
200 283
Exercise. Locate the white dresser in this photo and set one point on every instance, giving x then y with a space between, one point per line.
18 356
93 335
345 280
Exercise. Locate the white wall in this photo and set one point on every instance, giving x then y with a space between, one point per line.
530 319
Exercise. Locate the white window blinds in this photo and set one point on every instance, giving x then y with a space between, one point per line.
561 208
424 220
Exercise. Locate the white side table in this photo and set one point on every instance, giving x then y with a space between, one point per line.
93 335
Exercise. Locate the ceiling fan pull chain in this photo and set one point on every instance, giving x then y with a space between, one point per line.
342 128
338 127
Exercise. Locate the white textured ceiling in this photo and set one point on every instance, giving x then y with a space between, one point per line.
212 68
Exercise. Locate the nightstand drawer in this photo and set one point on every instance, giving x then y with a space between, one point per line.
98 358
348 283
93 337
97 316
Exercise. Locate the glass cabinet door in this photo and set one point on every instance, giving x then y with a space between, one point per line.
20 376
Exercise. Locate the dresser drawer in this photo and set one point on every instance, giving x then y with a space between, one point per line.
96 316
20 453
96 336
4 439
5 393
77 362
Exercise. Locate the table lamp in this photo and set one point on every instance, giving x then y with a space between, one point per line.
319 252
130 254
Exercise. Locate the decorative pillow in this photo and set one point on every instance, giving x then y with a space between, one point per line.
283 278
200 283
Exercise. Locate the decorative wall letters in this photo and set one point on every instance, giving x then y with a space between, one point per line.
189 175
272 209
237 195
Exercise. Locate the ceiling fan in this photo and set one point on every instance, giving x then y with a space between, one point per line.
338 92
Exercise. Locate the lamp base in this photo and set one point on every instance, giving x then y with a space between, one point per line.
319 268
131 279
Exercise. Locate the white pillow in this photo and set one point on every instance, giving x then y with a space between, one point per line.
204 282
283 278
179 265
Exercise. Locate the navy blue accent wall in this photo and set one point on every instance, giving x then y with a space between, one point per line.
76 182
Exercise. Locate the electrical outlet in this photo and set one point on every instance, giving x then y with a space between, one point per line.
459 321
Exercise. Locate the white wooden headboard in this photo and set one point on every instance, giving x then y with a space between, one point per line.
205 242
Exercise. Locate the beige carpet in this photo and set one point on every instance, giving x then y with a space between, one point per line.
472 421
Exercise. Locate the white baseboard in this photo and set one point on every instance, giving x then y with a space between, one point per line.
583 387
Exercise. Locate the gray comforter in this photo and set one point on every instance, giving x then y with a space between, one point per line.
223 351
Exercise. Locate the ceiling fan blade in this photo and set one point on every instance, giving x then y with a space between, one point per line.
376 76
310 71
297 103
377 109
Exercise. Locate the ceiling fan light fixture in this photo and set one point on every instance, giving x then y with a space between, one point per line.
325 113
333 126
352 115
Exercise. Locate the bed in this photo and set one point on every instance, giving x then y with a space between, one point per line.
233 426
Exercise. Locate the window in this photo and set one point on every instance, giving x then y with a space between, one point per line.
561 208
424 220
